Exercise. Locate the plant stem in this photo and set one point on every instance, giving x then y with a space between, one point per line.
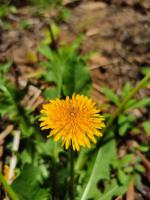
109 124
125 101
8 188
81 159
114 116
72 196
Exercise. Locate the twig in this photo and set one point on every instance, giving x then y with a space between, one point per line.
99 66
36 95
13 160
3 135
145 161
1 153
6 132
131 193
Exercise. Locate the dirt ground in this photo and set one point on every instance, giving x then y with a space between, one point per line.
118 32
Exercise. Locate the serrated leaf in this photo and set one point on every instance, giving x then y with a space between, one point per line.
113 189
76 78
111 95
25 157
48 148
27 184
100 169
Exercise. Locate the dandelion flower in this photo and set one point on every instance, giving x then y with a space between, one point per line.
76 121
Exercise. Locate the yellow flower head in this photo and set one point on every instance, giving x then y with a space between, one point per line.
74 120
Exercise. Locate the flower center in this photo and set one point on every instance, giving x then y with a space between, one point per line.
72 114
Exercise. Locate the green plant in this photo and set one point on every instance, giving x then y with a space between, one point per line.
90 189
100 173
67 70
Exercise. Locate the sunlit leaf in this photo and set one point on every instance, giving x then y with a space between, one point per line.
100 169
140 103
27 185
127 88
146 126
111 95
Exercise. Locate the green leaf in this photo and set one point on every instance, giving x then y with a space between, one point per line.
143 148
46 51
130 103
129 169
122 176
25 157
76 77
139 168
24 24
127 88
50 93
100 169
7 100
123 129
126 160
140 104
48 148
27 184
111 95
145 70
137 180
146 126
48 39
25 126
124 118
113 189
5 67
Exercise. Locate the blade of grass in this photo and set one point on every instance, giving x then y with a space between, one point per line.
8 188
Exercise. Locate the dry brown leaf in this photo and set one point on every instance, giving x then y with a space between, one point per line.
92 6
97 61
92 31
